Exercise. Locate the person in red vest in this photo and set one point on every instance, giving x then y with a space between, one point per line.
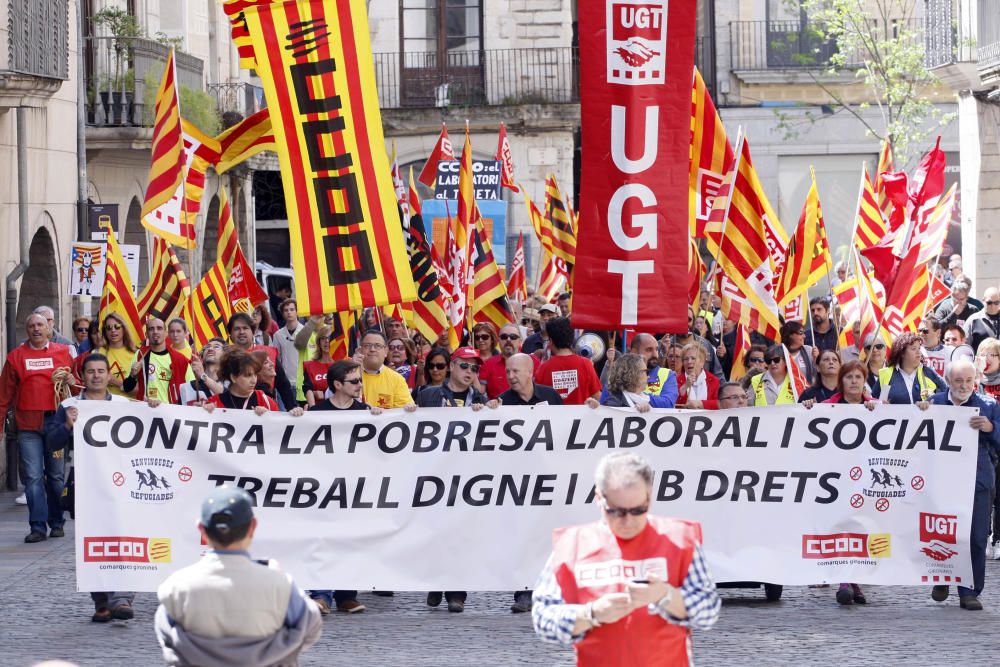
628 589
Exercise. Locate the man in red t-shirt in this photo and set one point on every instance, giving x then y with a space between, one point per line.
493 374
571 375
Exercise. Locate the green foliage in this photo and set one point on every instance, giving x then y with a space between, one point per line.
197 107
879 41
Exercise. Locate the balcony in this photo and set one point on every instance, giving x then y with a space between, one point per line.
122 77
988 42
236 99
949 43
34 50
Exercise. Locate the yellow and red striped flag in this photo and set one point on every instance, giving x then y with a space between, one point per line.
711 156
167 290
117 296
553 275
931 231
200 152
340 344
808 253
904 307
744 255
487 291
517 282
885 165
429 313
870 225
315 62
796 378
244 290
557 224
463 223
209 308
742 344
696 273
166 170
250 136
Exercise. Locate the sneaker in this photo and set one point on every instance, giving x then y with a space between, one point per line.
324 607
434 599
939 593
21 499
456 606
351 607
845 596
970 602
102 615
34 537
522 602
57 532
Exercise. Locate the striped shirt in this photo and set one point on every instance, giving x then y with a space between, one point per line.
554 619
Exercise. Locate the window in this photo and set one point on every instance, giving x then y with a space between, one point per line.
441 52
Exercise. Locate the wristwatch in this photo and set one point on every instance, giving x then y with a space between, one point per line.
203 377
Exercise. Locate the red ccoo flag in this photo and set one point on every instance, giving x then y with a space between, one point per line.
442 151
517 282
506 161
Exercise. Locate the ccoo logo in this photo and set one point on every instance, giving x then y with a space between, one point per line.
637 41
118 549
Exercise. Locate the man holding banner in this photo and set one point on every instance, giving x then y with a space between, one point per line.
660 584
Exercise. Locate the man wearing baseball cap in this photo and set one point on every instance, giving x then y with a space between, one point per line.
228 609
537 342
456 392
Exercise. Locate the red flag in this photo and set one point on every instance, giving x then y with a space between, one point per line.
517 282
796 378
442 151
506 161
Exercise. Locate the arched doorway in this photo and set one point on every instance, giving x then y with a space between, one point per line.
135 234
40 283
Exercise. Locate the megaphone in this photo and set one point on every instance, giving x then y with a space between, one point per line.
590 346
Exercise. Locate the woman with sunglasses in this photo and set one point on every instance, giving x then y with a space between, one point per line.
120 351
906 379
435 370
314 371
485 340
825 385
402 359
773 386
874 359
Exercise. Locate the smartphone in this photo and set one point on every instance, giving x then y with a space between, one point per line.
263 561
640 581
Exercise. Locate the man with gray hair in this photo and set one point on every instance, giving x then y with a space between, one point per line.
668 593
50 318
961 377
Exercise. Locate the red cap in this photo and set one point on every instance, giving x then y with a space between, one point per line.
466 353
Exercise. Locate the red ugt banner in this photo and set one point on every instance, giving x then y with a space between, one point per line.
636 123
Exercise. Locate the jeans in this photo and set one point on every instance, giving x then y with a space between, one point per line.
981 503
111 599
42 475
331 597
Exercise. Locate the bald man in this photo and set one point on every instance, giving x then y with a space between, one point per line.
493 374
986 323
523 390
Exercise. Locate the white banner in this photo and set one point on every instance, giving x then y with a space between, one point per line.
446 498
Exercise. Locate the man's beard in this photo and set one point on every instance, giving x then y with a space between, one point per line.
962 397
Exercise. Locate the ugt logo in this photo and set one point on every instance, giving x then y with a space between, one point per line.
637 41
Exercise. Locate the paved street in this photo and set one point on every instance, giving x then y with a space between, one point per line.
43 617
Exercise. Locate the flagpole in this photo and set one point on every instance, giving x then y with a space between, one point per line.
857 207
729 201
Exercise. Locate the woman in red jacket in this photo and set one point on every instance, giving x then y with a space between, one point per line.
240 369
696 387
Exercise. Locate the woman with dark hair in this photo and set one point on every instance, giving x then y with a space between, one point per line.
402 358
240 369
264 326
487 342
314 383
825 385
626 384
177 330
773 386
120 350
906 379
435 370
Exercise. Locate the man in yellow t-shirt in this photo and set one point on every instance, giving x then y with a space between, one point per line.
383 387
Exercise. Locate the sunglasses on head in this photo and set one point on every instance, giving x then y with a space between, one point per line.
620 512
509 336
464 365
437 366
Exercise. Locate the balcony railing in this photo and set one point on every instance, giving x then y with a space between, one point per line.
988 41
949 33
37 42
122 77
244 99
477 78
765 45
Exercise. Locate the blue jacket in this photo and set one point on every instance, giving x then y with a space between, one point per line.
57 436
897 389
989 443
666 394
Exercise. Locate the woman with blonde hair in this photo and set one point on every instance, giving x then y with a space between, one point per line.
988 365
626 384
120 350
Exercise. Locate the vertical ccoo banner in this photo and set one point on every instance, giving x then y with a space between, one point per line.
636 124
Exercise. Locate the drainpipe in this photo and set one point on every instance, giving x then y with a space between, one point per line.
22 265
81 143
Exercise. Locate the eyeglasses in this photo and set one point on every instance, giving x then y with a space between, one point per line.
878 346
483 337
396 348
466 366
774 360
437 366
372 346
756 360
620 512
354 381
82 329
509 337
993 303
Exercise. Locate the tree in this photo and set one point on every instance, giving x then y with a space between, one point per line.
881 41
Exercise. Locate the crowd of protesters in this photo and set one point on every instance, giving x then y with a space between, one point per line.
273 360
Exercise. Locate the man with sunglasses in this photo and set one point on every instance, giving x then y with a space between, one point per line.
670 594
494 370
456 392
986 323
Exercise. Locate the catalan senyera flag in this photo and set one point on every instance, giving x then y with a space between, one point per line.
743 344
487 291
904 306
862 299
464 222
553 275
885 165
429 313
744 254
241 37
340 343
250 136
517 281
808 253
711 156
443 150
166 170
117 295
456 263
200 152
506 159
209 308
696 273
930 232
244 290
557 224
797 379
314 59
870 224
167 290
